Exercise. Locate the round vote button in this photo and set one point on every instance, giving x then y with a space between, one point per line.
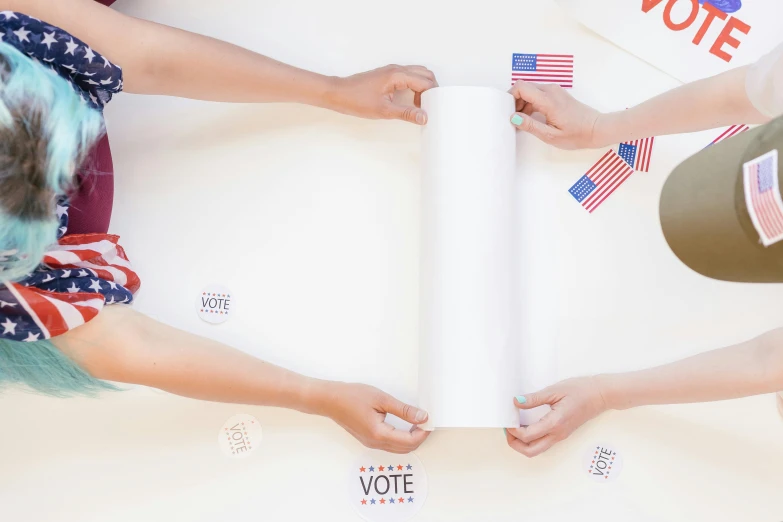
215 304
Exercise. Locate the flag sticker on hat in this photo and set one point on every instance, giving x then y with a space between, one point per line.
762 196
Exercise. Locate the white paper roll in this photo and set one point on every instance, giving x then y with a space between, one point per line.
469 367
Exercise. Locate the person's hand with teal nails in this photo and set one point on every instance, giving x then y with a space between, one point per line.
567 123
573 402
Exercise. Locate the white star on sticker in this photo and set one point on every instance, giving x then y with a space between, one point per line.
107 82
111 300
61 210
72 46
31 338
9 327
92 82
48 40
89 54
94 99
73 288
3 304
48 278
22 34
106 62
9 15
83 273
66 274
113 285
96 285
124 300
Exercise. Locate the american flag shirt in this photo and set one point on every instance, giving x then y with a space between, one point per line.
91 74
81 273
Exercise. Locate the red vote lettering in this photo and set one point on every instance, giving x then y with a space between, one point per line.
667 16
712 12
725 38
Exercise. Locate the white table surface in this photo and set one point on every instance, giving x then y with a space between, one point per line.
311 218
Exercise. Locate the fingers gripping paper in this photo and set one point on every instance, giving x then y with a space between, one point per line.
468 369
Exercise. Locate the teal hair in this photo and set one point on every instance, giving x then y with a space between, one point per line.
42 368
45 131
35 100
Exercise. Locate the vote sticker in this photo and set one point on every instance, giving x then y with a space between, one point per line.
603 463
214 304
240 436
387 487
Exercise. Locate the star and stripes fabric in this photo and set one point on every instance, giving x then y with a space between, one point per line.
637 153
91 74
79 275
543 68
729 132
762 197
601 180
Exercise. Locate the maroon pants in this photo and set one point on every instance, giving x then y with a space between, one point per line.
92 200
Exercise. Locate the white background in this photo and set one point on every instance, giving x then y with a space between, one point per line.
311 218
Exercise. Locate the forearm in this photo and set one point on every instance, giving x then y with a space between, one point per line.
124 346
705 104
750 368
157 59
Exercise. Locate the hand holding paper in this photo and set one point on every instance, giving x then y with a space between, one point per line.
573 402
568 123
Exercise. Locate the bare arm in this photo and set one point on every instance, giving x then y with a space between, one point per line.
124 346
750 368
704 104
157 59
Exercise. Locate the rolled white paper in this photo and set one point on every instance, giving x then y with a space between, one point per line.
469 369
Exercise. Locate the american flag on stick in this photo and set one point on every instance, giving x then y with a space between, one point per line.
601 180
728 133
637 153
543 68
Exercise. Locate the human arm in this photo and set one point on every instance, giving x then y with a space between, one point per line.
157 59
750 368
125 346
704 104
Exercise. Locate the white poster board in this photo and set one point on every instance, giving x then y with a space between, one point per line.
688 39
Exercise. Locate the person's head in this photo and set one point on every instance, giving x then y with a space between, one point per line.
45 131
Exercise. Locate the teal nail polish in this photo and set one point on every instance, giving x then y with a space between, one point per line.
517 119
505 431
521 399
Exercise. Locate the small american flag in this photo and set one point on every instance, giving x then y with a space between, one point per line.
637 153
728 133
543 68
762 196
601 180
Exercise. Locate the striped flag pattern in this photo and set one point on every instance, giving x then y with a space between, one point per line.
762 195
601 180
79 276
543 68
637 153
728 133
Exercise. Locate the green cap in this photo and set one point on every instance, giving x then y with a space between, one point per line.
705 217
